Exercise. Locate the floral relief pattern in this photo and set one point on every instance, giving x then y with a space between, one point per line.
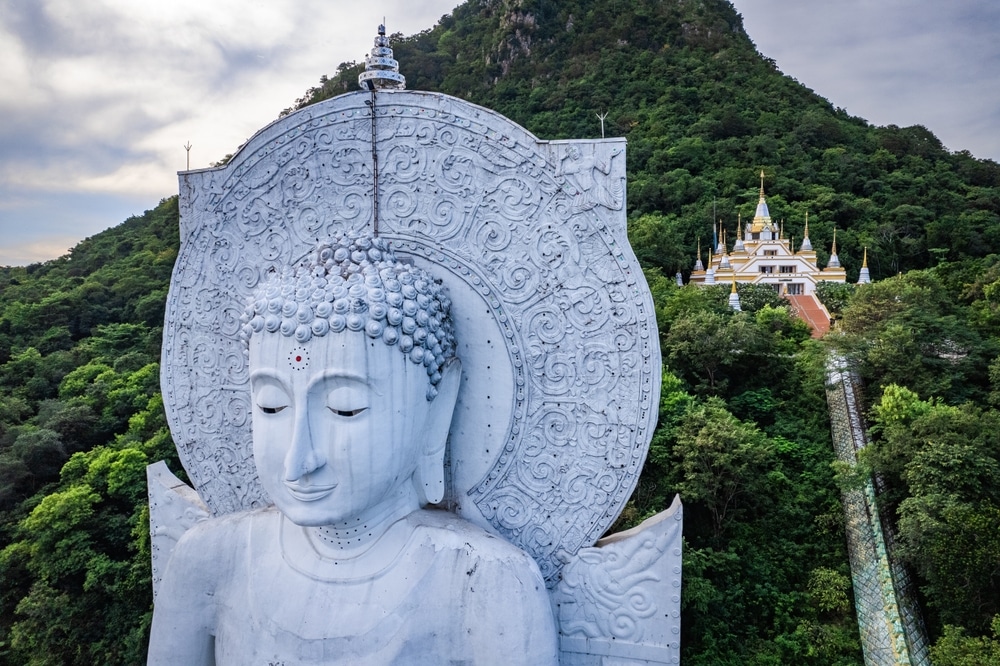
489 205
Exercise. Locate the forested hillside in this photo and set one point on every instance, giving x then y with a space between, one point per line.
743 432
703 112
80 418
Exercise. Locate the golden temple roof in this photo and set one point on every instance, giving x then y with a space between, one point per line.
762 218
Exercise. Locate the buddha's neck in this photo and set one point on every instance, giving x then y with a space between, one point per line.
354 537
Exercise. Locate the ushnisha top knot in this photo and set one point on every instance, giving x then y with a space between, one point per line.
356 283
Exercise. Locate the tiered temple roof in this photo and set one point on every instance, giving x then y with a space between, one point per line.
762 255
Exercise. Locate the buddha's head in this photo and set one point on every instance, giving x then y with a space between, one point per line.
354 380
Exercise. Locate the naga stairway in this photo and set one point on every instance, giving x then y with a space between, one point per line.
892 630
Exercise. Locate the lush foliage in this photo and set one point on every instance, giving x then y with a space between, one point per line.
928 345
81 419
744 438
927 330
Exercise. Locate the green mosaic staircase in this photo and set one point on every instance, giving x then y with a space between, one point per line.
892 629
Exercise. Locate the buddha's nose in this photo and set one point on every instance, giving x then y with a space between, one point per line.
303 457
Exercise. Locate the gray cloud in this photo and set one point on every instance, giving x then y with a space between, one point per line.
43 226
893 61
98 99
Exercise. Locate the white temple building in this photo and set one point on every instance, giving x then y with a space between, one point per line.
762 255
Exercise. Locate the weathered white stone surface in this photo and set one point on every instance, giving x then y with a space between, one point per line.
174 508
555 323
451 594
619 602
552 411
347 568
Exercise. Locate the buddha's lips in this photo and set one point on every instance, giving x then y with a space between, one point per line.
308 493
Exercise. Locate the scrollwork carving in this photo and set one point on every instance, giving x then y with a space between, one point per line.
622 598
535 239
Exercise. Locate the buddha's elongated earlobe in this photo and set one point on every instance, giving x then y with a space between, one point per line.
429 477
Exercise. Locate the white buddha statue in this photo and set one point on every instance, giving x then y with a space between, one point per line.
354 379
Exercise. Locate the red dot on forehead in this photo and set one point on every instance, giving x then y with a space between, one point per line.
298 358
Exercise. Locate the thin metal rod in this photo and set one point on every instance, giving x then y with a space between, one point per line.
374 163
602 116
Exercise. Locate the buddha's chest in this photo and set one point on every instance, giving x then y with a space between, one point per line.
290 616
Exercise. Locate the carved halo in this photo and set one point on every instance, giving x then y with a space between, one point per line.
553 318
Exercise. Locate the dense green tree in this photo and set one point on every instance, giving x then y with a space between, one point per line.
763 523
721 461
912 330
955 648
80 417
944 465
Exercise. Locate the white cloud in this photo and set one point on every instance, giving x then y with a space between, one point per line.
41 249
150 76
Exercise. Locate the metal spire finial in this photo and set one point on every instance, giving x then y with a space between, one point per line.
381 70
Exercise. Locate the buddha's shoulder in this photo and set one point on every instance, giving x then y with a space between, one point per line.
229 529
448 531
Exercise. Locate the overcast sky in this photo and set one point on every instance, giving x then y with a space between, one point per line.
98 97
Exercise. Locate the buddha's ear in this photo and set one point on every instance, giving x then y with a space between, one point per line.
429 479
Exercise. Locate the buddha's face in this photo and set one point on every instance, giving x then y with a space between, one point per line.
338 425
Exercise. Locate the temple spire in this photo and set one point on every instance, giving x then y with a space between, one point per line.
864 277
806 243
762 217
698 266
834 259
738 246
734 297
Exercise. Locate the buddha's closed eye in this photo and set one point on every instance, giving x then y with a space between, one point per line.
347 412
